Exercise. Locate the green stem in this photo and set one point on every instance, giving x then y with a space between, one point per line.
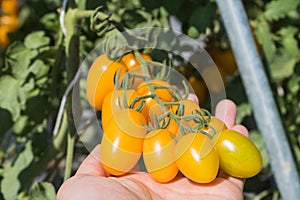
72 54
69 157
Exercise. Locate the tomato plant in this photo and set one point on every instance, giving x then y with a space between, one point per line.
238 156
159 155
101 73
196 158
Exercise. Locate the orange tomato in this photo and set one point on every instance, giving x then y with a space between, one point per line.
130 61
159 157
122 142
100 81
196 158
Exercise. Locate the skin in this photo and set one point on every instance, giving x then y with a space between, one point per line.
92 182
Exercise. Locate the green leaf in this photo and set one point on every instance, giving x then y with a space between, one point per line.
289 41
43 191
18 59
39 68
11 184
9 88
294 84
258 141
244 110
202 17
264 37
280 8
282 66
36 40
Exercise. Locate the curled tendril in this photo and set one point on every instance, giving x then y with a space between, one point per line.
100 22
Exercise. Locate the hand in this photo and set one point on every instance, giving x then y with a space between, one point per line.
92 182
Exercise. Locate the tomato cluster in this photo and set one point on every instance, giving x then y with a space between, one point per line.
144 118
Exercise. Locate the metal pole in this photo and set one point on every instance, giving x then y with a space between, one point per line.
261 98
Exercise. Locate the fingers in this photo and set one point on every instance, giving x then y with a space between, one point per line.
92 164
226 111
241 129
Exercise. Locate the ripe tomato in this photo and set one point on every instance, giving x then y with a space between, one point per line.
239 157
115 160
130 61
123 136
100 81
113 103
159 157
196 158
199 88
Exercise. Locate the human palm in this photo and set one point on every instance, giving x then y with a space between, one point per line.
92 182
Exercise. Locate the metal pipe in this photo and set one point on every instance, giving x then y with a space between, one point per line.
261 98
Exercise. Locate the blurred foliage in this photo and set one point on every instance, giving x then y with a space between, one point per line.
33 79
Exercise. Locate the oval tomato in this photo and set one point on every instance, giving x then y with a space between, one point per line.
239 157
159 157
123 136
130 61
113 103
196 158
100 81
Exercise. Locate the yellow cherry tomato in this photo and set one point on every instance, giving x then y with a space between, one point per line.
123 136
197 158
100 79
159 155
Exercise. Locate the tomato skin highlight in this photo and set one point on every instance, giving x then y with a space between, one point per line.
197 158
100 81
159 157
130 61
239 157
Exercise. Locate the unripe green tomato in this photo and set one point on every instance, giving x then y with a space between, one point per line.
238 156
